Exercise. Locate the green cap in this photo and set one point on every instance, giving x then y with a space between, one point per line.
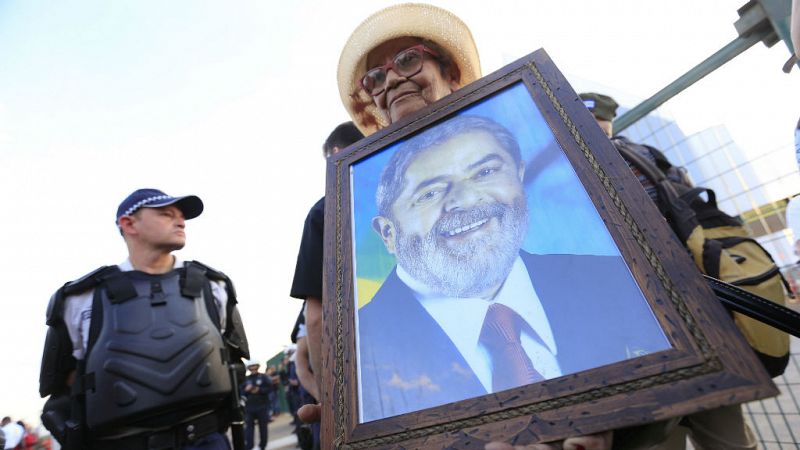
601 106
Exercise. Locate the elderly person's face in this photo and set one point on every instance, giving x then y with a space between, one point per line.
402 95
460 219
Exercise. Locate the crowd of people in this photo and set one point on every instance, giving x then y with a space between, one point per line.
145 354
21 436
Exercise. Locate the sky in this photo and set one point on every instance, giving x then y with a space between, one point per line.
231 101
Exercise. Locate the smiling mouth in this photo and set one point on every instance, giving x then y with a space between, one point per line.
402 96
466 228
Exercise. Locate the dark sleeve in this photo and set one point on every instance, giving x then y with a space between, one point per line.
57 360
308 272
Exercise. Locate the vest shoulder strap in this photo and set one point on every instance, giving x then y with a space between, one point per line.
55 309
213 275
88 281
235 337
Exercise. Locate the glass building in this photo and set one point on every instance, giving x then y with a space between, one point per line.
754 189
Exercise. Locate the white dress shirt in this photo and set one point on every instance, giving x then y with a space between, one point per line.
462 320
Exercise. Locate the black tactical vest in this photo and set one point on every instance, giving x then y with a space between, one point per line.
155 355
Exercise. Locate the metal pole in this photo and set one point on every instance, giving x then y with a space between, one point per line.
713 62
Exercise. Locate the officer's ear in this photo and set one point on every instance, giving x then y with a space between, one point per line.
125 225
385 229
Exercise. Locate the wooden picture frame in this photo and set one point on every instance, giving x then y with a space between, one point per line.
582 204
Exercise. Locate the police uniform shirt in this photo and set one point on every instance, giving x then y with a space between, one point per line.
308 272
78 310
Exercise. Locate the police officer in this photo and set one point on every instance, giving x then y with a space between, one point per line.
138 355
256 389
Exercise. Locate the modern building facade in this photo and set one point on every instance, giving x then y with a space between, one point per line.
755 189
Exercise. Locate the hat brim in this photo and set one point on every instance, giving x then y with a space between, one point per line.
190 205
405 20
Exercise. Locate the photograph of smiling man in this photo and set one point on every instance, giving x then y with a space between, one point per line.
482 265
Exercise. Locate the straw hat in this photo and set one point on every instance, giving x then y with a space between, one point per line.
405 20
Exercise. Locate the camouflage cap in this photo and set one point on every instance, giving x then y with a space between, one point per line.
601 106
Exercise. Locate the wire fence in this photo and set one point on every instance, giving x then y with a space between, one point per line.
776 421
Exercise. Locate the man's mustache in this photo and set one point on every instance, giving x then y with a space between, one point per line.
457 221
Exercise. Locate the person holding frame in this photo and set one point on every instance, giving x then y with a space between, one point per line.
396 64
407 57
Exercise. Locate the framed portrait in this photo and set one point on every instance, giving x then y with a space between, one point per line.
495 272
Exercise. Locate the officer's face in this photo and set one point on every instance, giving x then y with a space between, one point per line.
160 228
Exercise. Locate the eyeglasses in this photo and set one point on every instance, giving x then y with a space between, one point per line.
407 63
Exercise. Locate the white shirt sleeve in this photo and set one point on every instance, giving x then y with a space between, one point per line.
78 317
221 300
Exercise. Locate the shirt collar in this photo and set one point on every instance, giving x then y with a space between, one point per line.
465 326
127 265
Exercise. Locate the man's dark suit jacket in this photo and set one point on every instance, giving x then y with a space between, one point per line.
407 363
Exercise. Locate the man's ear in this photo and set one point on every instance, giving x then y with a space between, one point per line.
521 172
126 225
385 229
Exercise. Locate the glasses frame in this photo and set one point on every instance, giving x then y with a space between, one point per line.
422 48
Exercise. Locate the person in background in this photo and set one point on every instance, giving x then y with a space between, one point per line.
307 283
255 389
793 208
723 427
13 433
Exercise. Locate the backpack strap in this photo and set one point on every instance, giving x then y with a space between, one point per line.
680 215
754 306
661 159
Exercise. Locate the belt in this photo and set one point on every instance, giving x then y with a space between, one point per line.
178 436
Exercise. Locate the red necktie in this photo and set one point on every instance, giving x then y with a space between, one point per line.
511 367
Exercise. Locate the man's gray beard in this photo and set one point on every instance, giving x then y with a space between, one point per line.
474 266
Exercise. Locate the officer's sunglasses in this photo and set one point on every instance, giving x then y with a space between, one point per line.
407 63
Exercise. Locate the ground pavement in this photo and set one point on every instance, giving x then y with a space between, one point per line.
280 433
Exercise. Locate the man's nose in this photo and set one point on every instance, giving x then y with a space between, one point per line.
461 196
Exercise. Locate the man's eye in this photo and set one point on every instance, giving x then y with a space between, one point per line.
428 196
486 171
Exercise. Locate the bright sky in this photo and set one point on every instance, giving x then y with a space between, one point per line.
232 100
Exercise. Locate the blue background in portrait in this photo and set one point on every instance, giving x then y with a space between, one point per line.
562 218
